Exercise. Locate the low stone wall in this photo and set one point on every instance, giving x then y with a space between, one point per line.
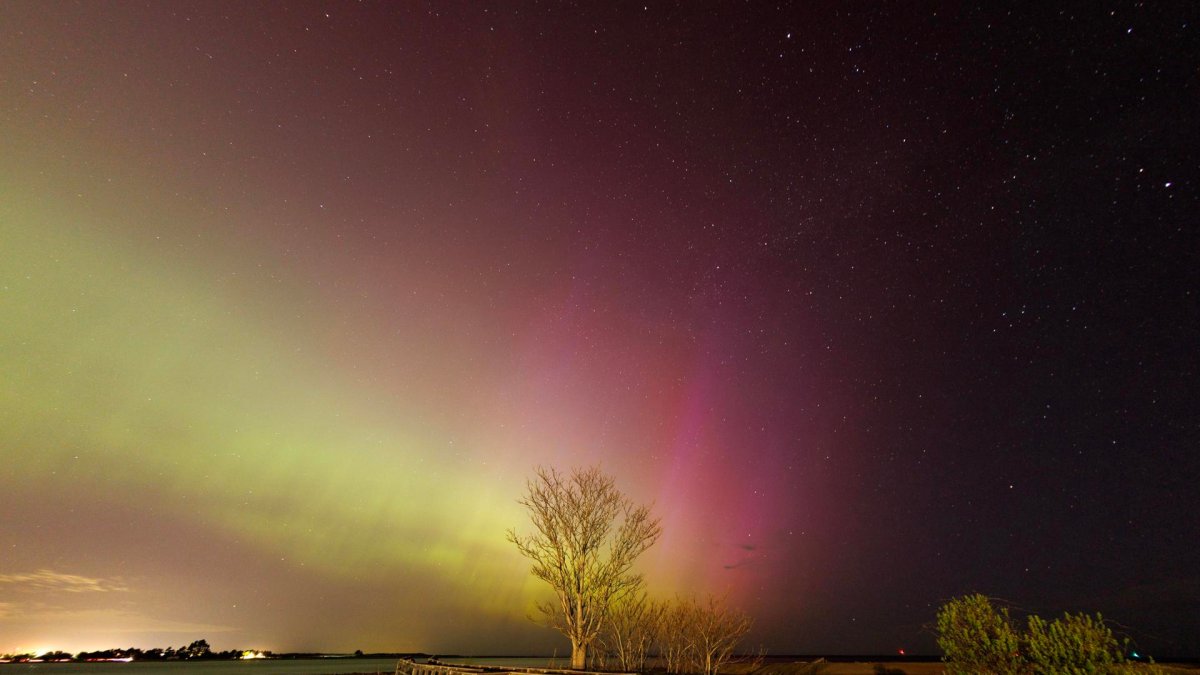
410 667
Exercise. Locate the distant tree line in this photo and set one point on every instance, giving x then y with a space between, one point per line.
197 650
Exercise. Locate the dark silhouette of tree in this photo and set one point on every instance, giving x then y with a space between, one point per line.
199 649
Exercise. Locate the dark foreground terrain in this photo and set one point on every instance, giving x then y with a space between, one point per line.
821 667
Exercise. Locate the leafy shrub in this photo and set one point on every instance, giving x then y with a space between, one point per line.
1076 644
978 639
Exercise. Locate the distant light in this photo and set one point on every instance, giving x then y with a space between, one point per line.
1136 655
252 654
901 652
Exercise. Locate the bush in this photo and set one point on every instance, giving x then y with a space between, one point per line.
978 639
1076 644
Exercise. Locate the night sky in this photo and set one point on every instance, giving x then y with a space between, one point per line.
877 303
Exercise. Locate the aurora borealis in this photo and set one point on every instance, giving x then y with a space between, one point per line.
877 304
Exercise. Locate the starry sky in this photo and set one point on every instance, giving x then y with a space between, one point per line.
877 303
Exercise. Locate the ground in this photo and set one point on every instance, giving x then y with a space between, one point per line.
882 668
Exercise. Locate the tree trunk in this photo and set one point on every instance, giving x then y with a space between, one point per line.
578 656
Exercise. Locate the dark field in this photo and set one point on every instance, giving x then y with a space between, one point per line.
882 668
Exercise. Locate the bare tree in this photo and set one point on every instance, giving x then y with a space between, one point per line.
700 638
717 630
631 630
675 637
587 536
